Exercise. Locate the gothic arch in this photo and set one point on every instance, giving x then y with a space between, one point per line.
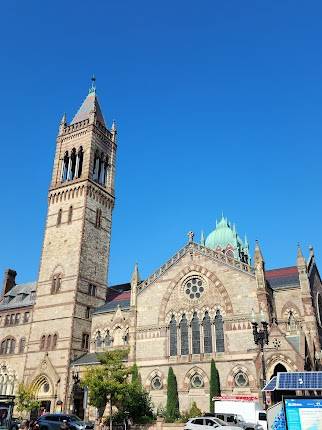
289 306
235 370
153 374
228 307
279 359
40 382
195 370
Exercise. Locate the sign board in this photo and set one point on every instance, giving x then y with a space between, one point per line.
303 413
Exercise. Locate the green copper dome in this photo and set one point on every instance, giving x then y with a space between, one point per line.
225 239
222 236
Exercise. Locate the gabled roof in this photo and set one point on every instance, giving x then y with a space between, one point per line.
19 296
117 295
88 358
284 277
89 105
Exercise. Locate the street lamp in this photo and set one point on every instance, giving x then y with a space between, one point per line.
261 338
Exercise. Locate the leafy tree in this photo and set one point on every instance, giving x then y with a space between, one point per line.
172 408
194 411
214 388
112 378
135 373
26 399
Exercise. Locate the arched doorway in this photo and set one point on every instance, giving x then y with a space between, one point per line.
44 393
278 395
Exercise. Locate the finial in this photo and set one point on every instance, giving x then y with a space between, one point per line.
311 249
191 236
202 238
93 86
113 125
64 119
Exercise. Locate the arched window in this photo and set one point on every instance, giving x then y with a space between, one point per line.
8 346
101 169
55 337
98 219
65 167
22 345
108 341
219 327
173 336
195 329
48 343
72 169
105 171
98 340
42 342
291 322
207 334
56 283
79 164
70 214
59 216
126 338
184 335
96 165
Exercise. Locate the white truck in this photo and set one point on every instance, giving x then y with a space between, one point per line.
248 412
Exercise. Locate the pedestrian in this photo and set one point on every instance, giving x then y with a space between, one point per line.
64 425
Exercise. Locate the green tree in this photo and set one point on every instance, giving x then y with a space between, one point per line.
135 373
26 399
214 388
194 411
112 378
172 408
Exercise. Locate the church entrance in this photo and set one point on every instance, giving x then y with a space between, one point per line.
277 396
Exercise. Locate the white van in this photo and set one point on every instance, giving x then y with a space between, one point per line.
249 410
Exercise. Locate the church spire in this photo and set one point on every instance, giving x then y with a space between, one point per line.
135 280
300 260
89 107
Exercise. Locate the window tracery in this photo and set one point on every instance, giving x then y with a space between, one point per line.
207 333
72 165
196 381
219 328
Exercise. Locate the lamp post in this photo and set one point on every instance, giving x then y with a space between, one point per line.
261 338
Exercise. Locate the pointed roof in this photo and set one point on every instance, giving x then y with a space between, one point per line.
90 104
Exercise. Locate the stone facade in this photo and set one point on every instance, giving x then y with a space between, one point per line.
196 307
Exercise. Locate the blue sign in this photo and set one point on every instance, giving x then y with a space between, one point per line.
303 413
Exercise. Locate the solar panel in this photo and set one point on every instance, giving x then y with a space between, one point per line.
299 381
271 385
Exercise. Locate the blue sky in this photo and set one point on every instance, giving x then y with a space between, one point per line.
218 105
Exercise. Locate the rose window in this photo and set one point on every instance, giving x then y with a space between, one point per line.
156 383
241 379
194 287
197 381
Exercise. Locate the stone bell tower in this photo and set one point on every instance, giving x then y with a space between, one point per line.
75 253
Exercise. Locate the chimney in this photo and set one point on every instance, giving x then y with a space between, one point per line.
9 280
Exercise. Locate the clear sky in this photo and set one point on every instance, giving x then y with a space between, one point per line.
218 105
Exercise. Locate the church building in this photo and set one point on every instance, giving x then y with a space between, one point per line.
201 304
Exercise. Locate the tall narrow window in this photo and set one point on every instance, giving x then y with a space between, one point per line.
100 169
173 336
105 171
87 312
98 219
48 343
92 290
108 341
219 327
96 166
59 215
70 214
72 169
80 157
42 342
56 284
85 341
207 335
184 335
195 329
22 345
54 344
65 167
98 340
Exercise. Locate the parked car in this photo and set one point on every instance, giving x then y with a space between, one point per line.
235 420
54 421
203 423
